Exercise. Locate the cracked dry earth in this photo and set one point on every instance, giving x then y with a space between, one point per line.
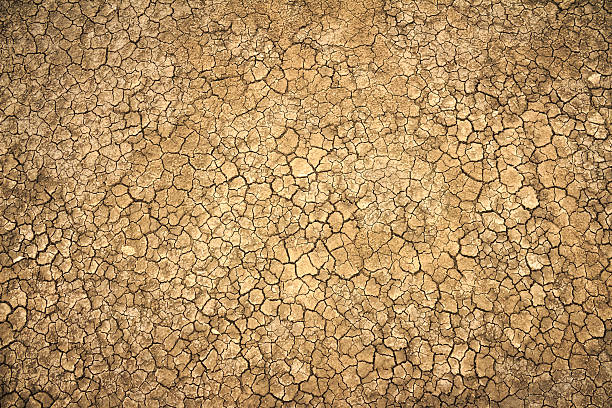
305 203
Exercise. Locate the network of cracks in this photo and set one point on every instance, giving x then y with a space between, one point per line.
309 203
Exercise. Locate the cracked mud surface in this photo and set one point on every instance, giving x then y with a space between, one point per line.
305 203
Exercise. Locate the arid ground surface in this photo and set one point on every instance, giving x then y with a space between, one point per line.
305 203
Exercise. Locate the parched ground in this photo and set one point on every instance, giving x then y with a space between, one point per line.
305 203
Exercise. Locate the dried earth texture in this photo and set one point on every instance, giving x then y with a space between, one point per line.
305 203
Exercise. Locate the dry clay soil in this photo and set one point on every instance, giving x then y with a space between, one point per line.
305 203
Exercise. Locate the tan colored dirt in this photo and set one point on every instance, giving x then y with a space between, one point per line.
305 203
